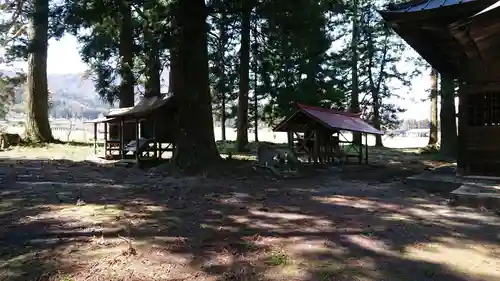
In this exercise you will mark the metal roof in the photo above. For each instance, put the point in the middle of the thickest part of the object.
(490, 8)
(333, 119)
(422, 5)
(144, 107)
(99, 120)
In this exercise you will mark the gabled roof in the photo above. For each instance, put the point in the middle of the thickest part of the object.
(427, 26)
(331, 119)
(422, 5)
(144, 107)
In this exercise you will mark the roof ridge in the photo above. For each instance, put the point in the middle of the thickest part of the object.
(329, 110)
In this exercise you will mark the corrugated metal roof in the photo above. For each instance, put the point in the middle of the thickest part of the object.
(336, 120)
(341, 121)
(422, 5)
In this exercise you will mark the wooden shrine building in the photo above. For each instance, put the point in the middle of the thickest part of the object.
(143, 132)
(318, 133)
(461, 39)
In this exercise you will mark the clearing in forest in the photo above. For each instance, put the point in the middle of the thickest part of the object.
(69, 220)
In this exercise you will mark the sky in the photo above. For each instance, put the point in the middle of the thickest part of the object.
(63, 58)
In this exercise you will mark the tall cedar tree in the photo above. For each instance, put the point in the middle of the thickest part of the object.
(355, 36)
(37, 126)
(433, 135)
(127, 83)
(195, 148)
(242, 127)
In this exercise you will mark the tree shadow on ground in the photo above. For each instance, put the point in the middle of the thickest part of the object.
(78, 219)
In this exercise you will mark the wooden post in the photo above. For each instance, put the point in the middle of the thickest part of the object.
(366, 148)
(290, 140)
(157, 146)
(105, 139)
(122, 138)
(137, 137)
(316, 146)
(462, 163)
(360, 156)
(95, 138)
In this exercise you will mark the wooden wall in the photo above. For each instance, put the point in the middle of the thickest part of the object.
(479, 129)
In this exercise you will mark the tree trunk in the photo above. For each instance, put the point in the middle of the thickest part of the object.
(153, 64)
(376, 118)
(242, 127)
(255, 103)
(354, 106)
(449, 138)
(256, 114)
(195, 150)
(433, 135)
(37, 126)
(221, 87)
(126, 95)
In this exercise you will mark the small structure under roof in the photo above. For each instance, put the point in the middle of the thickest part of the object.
(461, 40)
(144, 131)
(316, 132)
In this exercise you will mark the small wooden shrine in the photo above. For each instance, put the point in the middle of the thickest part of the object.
(318, 134)
(461, 39)
(143, 132)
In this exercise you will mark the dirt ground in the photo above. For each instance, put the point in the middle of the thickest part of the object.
(68, 220)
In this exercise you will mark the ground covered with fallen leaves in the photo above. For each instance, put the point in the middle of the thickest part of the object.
(63, 219)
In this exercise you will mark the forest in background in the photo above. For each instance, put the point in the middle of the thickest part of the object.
(243, 60)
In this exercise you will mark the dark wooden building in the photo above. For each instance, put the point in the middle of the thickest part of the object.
(318, 134)
(461, 39)
(143, 132)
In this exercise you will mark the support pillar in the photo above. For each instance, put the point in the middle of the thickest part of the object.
(95, 138)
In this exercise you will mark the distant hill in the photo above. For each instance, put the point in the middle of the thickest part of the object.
(73, 96)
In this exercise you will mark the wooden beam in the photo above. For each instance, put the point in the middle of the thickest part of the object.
(366, 149)
(95, 138)
(105, 140)
(137, 137)
(122, 138)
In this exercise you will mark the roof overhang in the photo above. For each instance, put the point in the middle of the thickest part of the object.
(431, 33)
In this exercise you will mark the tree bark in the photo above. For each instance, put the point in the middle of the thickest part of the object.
(195, 149)
(126, 49)
(153, 64)
(221, 87)
(242, 127)
(449, 138)
(376, 118)
(433, 135)
(37, 126)
(354, 106)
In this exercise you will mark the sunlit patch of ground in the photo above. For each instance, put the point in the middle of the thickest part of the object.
(49, 151)
(71, 221)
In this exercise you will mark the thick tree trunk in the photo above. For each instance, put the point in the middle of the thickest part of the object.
(37, 126)
(126, 95)
(449, 138)
(354, 106)
(195, 148)
(242, 122)
(433, 135)
(153, 64)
